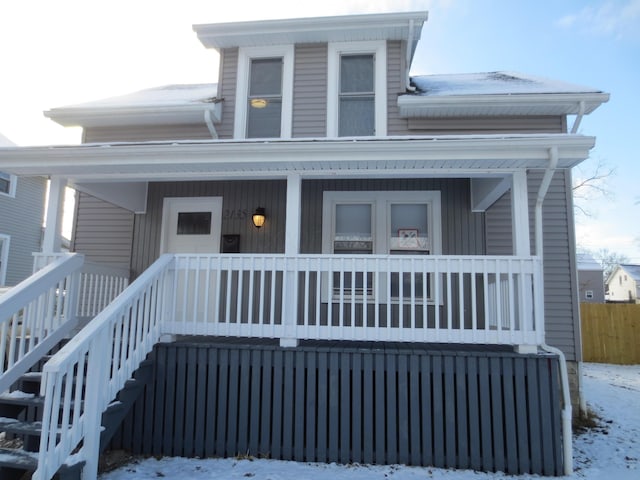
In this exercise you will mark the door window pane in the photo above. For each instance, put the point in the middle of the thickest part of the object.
(194, 223)
(353, 229)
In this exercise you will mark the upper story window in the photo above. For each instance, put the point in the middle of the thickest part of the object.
(264, 92)
(356, 93)
(7, 184)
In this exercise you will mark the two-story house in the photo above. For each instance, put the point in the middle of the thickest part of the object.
(345, 262)
(623, 284)
(22, 207)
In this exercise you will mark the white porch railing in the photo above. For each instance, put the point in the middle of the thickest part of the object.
(470, 299)
(97, 362)
(35, 315)
(382, 298)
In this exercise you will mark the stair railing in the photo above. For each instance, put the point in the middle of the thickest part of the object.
(81, 380)
(36, 314)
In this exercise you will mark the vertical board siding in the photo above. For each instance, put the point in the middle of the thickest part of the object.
(454, 409)
(462, 229)
(240, 199)
(21, 219)
(310, 91)
(103, 232)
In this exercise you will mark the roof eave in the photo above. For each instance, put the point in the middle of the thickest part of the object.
(384, 26)
(481, 154)
(151, 115)
(415, 106)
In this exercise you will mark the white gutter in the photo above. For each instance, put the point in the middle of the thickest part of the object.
(580, 114)
(409, 55)
(567, 440)
(209, 123)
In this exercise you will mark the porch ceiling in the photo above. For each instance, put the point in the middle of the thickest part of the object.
(444, 155)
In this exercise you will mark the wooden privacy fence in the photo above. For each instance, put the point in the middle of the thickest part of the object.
(610, 333)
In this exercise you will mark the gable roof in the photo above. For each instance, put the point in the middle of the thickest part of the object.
(496, 93)
(586, 262)
(168, 103)
(632, 270)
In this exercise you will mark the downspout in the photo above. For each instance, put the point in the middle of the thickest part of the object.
(209, 123)
(564, 374)
(576, 123)
(408, 86)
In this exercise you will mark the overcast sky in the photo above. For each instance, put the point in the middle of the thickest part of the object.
(55, 53)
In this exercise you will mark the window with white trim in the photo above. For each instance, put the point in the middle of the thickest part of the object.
(7, 184)
(588, 294)
(264, 92)
(356, 93)
(4, 257)
(385, 222)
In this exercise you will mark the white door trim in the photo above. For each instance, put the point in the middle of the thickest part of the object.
(213, 204)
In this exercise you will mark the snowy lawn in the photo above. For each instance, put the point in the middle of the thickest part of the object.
(610, 451)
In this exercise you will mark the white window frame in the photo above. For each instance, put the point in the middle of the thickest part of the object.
(13, 181)
(379, 51)
(381, 202)
(4, 257)
(245, 55)
(588, 294)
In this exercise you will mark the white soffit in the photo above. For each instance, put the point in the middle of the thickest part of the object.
(383, 26)
(394, 156)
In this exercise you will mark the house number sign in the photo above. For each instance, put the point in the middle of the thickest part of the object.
(235, 214)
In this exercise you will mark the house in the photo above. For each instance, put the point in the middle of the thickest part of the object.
(590, 279)
(623, 284)
(22, 207)
(332, 260)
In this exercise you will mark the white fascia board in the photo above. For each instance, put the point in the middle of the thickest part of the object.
(384, 26)
(167, 160)
(412, 106)
(151, 115)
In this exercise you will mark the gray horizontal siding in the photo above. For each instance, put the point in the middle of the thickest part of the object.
(561, 309)
(462, 230)
(395, 85)
(240, 199)
(142, 133)
(310, 91)
(103, 232)
(487, 125)
(21, 219)
(227, 90)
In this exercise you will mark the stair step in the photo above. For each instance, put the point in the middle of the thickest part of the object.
(18, 459)
(21, 399)
(20, 427)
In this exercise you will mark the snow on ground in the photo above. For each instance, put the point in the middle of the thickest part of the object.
(610, 451)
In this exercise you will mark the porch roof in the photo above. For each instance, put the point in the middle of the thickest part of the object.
(464, 155)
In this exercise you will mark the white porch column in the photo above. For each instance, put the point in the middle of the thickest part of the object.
(520, 214)
(292, 248)
(292, 233)
(52, 240)
(522, 247)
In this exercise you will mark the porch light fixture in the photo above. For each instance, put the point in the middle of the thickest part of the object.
(258, 217)
(258, 102)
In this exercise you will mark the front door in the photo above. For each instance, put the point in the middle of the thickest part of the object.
(191, 225)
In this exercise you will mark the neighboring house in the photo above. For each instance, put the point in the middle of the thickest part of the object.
(590, 279)
(350, 263)
(623, 284)
(22, 207)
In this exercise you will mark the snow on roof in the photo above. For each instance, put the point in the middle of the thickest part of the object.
(633, 270)
(164, 96)
(587, 262)
(5, 142)
(492, 83)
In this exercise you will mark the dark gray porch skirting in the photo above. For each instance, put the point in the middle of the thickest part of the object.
(368, 403)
